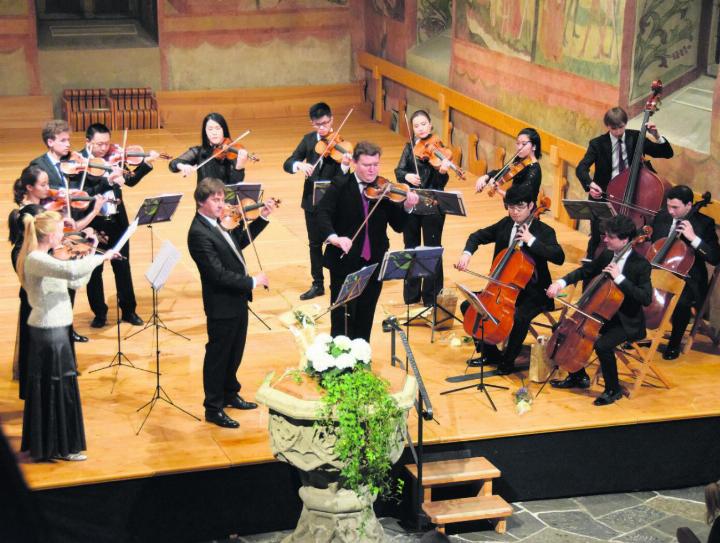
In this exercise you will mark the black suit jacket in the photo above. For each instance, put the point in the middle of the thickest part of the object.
(56, 181)
(226, 286)
(708, 252)
(599, 153)
(341, 212)
(305, 151)
(544, 249)
(636, 287)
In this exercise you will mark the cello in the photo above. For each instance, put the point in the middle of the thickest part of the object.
(571, 344)
(510, 272)
(671, 253)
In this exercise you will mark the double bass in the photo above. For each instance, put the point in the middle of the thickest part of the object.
(571, 344)
(510, 272)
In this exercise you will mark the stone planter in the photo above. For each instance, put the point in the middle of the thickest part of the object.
(330, 512)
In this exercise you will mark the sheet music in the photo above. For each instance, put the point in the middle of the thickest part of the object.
(126, 236)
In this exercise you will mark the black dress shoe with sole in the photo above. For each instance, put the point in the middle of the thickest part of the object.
(98, 322)
(505, 369)
(133, 319)
(77, 338)
(221, 419)
(608, 397)
(671, 353)
(313, 292)
(238, 403)
(571, 382)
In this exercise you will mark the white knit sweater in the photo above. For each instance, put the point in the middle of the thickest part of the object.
(47, 281)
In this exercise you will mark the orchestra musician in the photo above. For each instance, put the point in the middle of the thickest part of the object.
(341, 212)
(213, 133)
(52, 417)
(538, 241)
(425, 225)
(528, 146)
(632, 275)
(226, 290)
(304, 159)
(611, 154)
(111, 223)
(56, 136)
(697, 230)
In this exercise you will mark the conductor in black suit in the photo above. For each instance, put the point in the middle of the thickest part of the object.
(340, 213)
(538, 241)
(303, 159)
(611, 154)
(226, 290)
(699, 232)
(631, 273)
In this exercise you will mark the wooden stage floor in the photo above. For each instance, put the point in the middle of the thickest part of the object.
(172, 442)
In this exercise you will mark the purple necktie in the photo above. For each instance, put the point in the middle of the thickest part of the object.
(621, 162)
(365, 254)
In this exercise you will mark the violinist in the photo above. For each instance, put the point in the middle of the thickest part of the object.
(529, 150)
(302, 159)
(425, 225)
(537, 240)
(698, 231)
(111, 223)
(213, 133)
(612, 154)
(631, 273)
(56, 136)
(341, 213)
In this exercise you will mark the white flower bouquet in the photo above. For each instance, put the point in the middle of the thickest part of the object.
(338, 353)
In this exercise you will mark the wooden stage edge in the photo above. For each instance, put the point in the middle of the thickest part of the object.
(173, 443)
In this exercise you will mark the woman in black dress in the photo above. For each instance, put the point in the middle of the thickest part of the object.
(214, 131)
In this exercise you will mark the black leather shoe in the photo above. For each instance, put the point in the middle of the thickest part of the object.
(221, 419)
(98, 322)
(314, 291)
(238, 403)
(671, 353)
(77, 338)
(608, 397)
(505, 369)
(133, 319)
(571, 381)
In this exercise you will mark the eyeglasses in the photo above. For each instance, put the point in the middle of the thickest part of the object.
(320, 124)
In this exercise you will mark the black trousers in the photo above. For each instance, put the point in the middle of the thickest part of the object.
(681, 315)
(315, 243)
(423, 230)
(595, 237)
(223, 354)
(361, 310)
(123, 276)
(612, 334)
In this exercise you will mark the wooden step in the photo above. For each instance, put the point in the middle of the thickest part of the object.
(462, 470)
(468, 509)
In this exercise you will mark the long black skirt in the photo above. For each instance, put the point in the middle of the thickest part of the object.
(52, 420)
(22, 343)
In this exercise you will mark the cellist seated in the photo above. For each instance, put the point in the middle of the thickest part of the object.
(536, 240)
(631, 273)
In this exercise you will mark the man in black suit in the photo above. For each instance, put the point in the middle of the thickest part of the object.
(699, 232)
(631, 273)
(226, 291)
(303, 159)
(340, 214)
(536, 240)
(611, 154)
(111, 223)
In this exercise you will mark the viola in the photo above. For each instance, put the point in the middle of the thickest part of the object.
(226, 150)
(133, 155)
(571, 344)
(510, 272)
(336, 147)
(507, 173)
(676, 255)
(59, 198)
(396, 192)
(432, 150)
(232, 217)
(96, 166)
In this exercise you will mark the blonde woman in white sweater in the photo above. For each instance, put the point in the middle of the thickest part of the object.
(52, 420)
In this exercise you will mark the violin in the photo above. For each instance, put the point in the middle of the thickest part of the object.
(232, 217)
(74, 245)
(335, 149)
(226, 150)
(133, 155)
(96, 166)
(571, 344)
(673, 254)
(432, 150)
(506, 174)
(510, 272)
(79, 199)
(395, 192)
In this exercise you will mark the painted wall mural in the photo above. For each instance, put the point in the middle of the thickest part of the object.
(666, 43)
(236, 6)
(395, 9)
(433, 18)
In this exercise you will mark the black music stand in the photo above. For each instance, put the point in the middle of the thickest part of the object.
(586, 210)
(482, 315)
(236, 192)
(153, 210)
(448, 202)
(320, 187)
(352, 287)
(157, 275)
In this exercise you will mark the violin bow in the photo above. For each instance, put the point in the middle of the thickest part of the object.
(362, 225)
(334, 137)
(87, 167)
(501, 170)
(122, 159)
(247, 231)
(215, 154)
(410, 136)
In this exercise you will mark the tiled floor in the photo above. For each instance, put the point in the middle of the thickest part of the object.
(641, 517)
